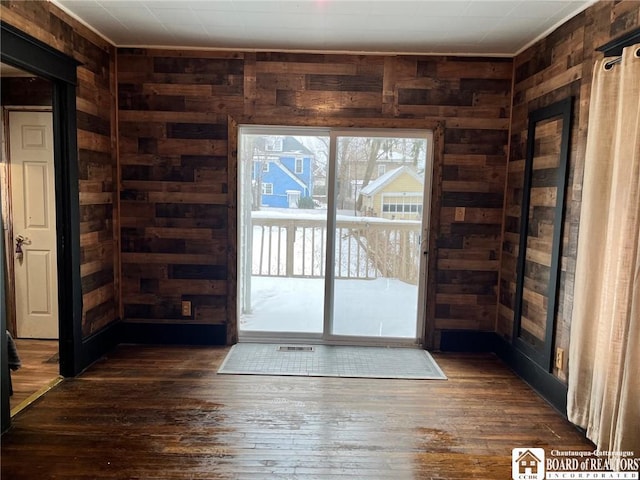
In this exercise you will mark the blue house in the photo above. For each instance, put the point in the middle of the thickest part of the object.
(283, 171)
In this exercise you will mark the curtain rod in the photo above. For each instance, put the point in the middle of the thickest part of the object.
(614, 47)
(612, 62)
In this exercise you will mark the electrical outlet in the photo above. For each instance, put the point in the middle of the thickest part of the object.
(186, 308)
(559, 358)
(460, 211)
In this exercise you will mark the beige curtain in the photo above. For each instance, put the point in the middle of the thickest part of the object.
(604, 354)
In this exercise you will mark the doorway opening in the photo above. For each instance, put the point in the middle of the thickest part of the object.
(30, 233)
(24, 52)
(333, 228)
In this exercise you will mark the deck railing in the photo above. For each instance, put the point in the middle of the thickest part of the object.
(365, 248)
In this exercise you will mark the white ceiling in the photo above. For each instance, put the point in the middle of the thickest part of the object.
(476, 27)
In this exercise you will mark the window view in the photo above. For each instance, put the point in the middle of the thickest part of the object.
(287, 203)
(283, 229)
(377, 249)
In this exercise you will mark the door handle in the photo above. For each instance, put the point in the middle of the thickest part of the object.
(20, 240)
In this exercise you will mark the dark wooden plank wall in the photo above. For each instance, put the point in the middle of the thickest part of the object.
(173, 108)
(472, 95)
(542, 211)
(25, 91)
(97, 149)
(556, 67)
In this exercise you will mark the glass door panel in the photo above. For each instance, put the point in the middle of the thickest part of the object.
(330, 229)
(379, 220)
(282, 230)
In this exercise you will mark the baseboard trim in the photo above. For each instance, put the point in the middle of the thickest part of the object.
(173, 334)
(543, 382)
(99, 343)
(466, 341)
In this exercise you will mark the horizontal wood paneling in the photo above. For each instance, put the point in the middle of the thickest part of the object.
(97, 149)
(26, 91)
(173, 109)
(556, 67)
(174, 184)
(171, 99)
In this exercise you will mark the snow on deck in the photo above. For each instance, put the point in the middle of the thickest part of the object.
(362, 307)
(380, 307)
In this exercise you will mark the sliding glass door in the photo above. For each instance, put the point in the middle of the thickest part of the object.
(283, 230)
(379, 213)
(331, 229)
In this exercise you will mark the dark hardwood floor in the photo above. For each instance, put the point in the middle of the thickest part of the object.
(40, 366)
(163, 413)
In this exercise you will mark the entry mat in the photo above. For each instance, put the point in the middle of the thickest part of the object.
(330, 361)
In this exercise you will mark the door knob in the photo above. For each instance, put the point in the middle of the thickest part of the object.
(20, 240)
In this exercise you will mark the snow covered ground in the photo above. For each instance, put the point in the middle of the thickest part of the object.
(364, 306)
(380, 307)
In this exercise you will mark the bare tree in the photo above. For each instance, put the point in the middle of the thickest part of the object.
(344, 155)
(373, 152)
(319, 145)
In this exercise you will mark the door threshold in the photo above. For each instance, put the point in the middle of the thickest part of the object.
(288, 338)
(35, 396)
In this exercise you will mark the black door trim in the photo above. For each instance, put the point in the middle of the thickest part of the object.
(25, 52)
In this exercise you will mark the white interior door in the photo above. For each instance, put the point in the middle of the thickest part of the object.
(34, 223)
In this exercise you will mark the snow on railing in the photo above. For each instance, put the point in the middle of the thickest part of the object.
(366, 247)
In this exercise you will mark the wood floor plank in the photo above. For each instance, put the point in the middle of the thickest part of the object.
(39, 367)
(163, 413)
